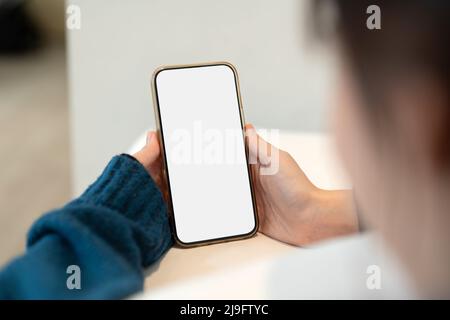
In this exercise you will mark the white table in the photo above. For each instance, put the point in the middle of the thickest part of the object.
(261, 267)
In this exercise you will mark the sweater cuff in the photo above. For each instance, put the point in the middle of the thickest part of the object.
(124, 186)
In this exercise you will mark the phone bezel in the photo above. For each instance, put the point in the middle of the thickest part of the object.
(159, 130)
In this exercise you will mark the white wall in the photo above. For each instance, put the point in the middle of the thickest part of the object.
(283, 81)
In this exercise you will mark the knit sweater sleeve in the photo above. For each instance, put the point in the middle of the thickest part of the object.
(97, 245)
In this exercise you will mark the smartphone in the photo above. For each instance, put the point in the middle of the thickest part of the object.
(200, 123)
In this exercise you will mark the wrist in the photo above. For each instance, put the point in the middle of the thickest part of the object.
(331, 214)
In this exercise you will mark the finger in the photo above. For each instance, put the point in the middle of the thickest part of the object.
(252, 143)
(152, 149)
(150, 152)
(259, 149)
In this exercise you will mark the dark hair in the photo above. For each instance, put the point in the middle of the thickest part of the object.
(414, 37)
(413, 42)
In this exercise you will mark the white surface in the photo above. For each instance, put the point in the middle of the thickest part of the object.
(198, 106)
(260, 267)
(111, 58)
(334, 270)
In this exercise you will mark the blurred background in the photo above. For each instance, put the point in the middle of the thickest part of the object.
(72, 98)
(34, 121)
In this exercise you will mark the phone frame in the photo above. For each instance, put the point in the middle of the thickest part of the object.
(159, 132)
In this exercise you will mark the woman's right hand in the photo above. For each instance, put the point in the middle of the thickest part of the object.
(290, 208)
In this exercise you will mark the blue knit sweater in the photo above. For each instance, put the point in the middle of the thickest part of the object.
(117, 227)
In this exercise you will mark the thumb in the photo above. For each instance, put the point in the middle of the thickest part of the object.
(150, 152)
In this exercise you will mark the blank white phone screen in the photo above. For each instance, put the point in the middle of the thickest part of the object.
(205, 152)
